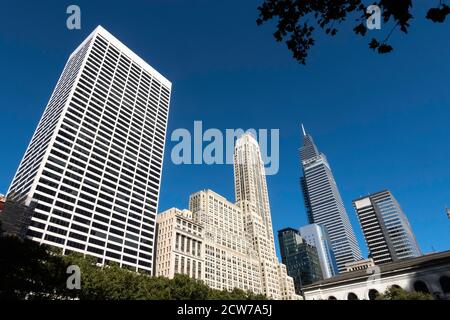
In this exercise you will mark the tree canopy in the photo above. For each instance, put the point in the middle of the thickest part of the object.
(297, 20)
(33, 271)
(396, 293)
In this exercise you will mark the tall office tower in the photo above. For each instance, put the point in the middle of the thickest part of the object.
(179, 245)
(317, 236)
(253, 199)
(301, 259)
(230, 260)
(324, 204)
(94, 163)
(386, 229)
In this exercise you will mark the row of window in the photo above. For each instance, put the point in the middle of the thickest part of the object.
(33, 156)
(77, 246)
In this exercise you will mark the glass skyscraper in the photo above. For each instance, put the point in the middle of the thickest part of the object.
(93, 166)
(301, 258)
(324, 205)
(317, 236)
(386, 228)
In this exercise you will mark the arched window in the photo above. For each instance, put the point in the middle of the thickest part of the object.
(352, 296)
(332, 298)
(421, 286)
(445, 284)
(373, 294)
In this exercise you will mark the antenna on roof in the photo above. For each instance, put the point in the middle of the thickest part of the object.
(303, 129)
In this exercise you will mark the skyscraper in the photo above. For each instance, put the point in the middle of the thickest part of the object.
(386, 228)
(94, 163)
(324, 204)
(317, 236)
(253, 199)
(301, 259)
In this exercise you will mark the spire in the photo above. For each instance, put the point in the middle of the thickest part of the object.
(309, 149)
(303, 129)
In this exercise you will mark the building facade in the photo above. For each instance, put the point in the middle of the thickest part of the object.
(15, 217)
(230, 259)
(287, 287)
(317, 236)
(179, 245)
(300, 258)
(428, 273)
(324, 204)
(386, 228)
(94, 163)
(359, 265)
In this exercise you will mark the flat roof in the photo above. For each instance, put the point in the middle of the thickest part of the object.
(128, 52)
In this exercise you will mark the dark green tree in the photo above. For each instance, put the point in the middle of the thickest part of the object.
(29, 271)
(33, 271)
(298, 20)
(396, 293)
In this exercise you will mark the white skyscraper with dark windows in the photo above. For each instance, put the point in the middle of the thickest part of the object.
(324, 204)
(95, 160)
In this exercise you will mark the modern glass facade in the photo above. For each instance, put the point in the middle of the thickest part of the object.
(301, 259)
(317, 236)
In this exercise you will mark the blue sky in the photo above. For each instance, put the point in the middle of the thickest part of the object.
(382, 121)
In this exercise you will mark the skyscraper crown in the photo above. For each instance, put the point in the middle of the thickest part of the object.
(309, 149)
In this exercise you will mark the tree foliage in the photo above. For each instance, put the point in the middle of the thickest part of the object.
(297, 20)
(396, 293)
(33, 271)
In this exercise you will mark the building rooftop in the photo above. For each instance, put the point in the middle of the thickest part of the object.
(127, 51)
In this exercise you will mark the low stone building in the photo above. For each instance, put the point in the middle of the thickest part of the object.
(179, 245)
(428, 273)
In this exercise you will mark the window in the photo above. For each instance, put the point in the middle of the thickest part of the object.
(182, 265)
(373, 294)
(176, 263)
(445, 284)
(182, 243)
(352, 296)
(421, 286)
